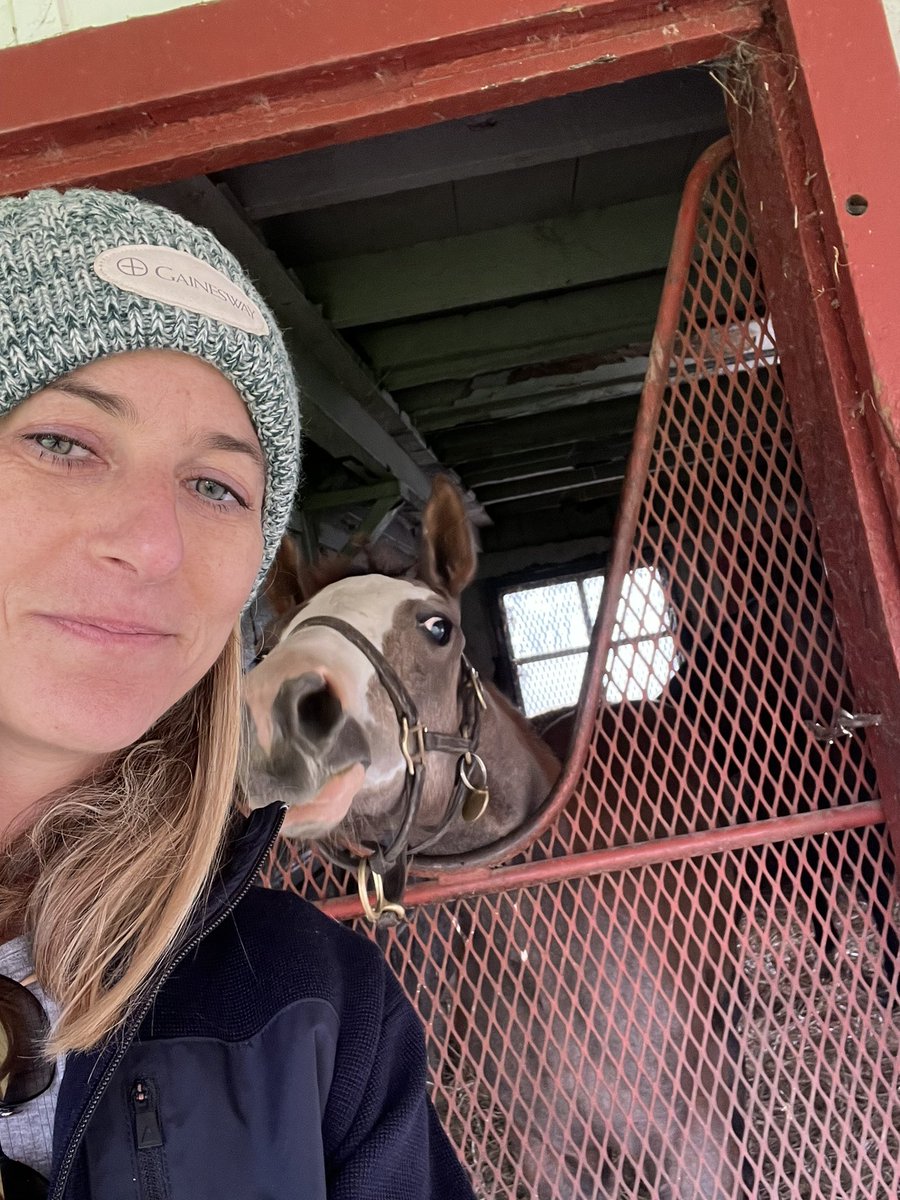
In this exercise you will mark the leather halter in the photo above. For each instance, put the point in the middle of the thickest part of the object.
(470, 794)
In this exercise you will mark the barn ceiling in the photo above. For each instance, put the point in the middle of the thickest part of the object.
(478, 296)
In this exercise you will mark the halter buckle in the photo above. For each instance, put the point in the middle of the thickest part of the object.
(414, 757)
(475, 680)
(375, 912)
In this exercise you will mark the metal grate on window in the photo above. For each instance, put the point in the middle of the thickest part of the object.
(548, 629)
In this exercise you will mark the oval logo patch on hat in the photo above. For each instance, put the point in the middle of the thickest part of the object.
(174, 277)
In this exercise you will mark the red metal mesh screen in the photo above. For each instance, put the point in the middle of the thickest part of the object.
(711, 1009)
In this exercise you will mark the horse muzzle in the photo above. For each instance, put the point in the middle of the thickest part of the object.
(307, 752)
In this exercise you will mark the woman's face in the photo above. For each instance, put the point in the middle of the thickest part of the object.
(130, 498)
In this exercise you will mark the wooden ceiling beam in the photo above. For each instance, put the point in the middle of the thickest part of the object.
(591, 424)
(495, 265)
(585, 481)
(501, 563)
(504, 469)
(499, 458)
(547, 519)
(589, 320)
(634, 113)
(518, 394)
(524, 466)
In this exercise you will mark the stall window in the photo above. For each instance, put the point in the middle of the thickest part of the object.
(548, 629)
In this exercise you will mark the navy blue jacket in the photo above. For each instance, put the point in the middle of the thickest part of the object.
(276, 1058)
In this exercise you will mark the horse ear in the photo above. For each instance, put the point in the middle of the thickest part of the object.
(447, 560)
(282, 588)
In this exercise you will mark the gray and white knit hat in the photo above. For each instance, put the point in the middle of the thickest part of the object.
(86, 273)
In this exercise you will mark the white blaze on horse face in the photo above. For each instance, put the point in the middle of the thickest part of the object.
(369, 603)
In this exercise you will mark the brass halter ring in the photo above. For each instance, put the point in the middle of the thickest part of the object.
(475, 789)
(381, 906)
(466, 761)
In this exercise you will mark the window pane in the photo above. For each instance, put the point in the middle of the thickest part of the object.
(545, 619)
(642, 607)
(593, 590)
(641, 670)
(551, 683)
(545, 622)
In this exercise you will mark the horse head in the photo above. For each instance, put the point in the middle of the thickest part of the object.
(366, 718)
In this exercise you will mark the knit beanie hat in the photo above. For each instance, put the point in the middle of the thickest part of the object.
(87, 273)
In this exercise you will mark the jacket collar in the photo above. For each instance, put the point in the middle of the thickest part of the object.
(248, 843)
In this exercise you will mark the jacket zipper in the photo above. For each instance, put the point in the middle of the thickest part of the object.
(148, 1141)
(130, 1034)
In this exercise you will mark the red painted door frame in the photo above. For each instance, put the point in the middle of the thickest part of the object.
(816, 119)
(208, 87)
(851, 135)
(804, 147)
(850, 119)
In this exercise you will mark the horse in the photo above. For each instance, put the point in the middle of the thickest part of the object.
(348, 654)
(326, 704)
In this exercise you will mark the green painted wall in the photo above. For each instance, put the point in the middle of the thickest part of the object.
(24, 21)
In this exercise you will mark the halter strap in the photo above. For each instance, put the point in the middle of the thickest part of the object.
(415, 742)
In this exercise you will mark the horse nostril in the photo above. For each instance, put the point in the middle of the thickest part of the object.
(307, 707)
(319, 712)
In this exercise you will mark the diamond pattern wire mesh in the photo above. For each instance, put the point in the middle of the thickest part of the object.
(554, 681)
(724, 1025)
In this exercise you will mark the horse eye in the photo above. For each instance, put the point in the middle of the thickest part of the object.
(438, 628)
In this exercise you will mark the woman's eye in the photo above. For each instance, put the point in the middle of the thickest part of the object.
(54, 443)
(438, 628)
(218, 493)
(49, 441)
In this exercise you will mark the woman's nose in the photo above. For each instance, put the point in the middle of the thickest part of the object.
(141, 530)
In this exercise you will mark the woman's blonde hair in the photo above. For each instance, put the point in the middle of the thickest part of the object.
(112, 868)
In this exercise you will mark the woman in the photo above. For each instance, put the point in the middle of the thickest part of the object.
(206, 1038)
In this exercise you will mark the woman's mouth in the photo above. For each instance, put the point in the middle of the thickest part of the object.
(104, 631)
